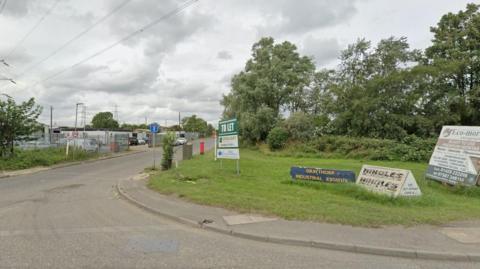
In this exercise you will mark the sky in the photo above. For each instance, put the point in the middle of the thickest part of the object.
(64, 52)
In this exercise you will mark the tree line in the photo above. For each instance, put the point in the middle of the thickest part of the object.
(105, 120)
(385, 90)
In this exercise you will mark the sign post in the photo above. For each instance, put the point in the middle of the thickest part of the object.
(228, 141)
(154, 128)
(215, 138)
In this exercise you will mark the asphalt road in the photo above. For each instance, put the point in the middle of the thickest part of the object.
(73, 218)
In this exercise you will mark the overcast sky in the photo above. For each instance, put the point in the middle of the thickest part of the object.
(185, 62)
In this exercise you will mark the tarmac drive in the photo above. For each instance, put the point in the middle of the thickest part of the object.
(72, 218)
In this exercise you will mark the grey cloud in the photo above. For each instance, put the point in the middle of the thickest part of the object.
(323, 50)
(18, 58)
(20, 8)
(224, 55)
(297, 17)
(167, 33)
(17, 8)
(179, 90)
(134, 78)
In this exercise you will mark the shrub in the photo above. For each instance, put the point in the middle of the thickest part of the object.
(167, 146)
(23, 159)
(255, 127)
(300, 126)
(411, 148)
(277, 138)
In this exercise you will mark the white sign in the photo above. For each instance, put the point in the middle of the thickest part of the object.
(456, 158)
(228, 154)
(228, 141)
(410, 187)
(390, 181)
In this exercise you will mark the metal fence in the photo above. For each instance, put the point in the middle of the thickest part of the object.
(100, 143)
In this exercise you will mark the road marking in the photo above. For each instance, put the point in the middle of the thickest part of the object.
(105, 229)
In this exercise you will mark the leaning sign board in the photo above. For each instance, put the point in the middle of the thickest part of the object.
(456, 158)
(389, 181)
(320, 174)
(228, 140)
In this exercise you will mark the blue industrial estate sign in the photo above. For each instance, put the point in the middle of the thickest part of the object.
(154, 127)
(320, 174)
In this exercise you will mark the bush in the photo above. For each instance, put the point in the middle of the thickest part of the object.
(255, 127)
(411, 148)
(277, 138)
(167, 146)
(300, 126)
(23, 159)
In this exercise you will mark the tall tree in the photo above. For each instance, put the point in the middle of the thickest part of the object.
(195, 124)
(455, 52)
(17, 121)
(372, 95)
(274, 78)
(104, 120)
(210, 130)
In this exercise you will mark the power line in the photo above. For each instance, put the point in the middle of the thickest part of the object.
(33, 28)
(66, 44)
(4, 63)
(5, 67)
(172, 13)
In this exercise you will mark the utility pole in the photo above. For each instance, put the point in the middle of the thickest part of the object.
(116, 113)
(179, 119)
(84, 123)
(75, 132)
(76, 116)
(51, 124)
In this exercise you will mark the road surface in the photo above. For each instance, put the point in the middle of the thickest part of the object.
(72, 217)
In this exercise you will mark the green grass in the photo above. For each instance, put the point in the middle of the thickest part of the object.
(24, 159)
(265, 187)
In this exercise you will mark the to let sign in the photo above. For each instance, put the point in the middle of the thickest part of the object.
(228, 127)
(227, 140)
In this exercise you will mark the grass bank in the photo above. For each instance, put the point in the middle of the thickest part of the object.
(264, 186)
(24, 159)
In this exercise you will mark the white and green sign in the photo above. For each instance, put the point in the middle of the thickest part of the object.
(228, 140)
(228, 127)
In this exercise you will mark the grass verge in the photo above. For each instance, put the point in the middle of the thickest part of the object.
(264, 187)
(24, 159)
